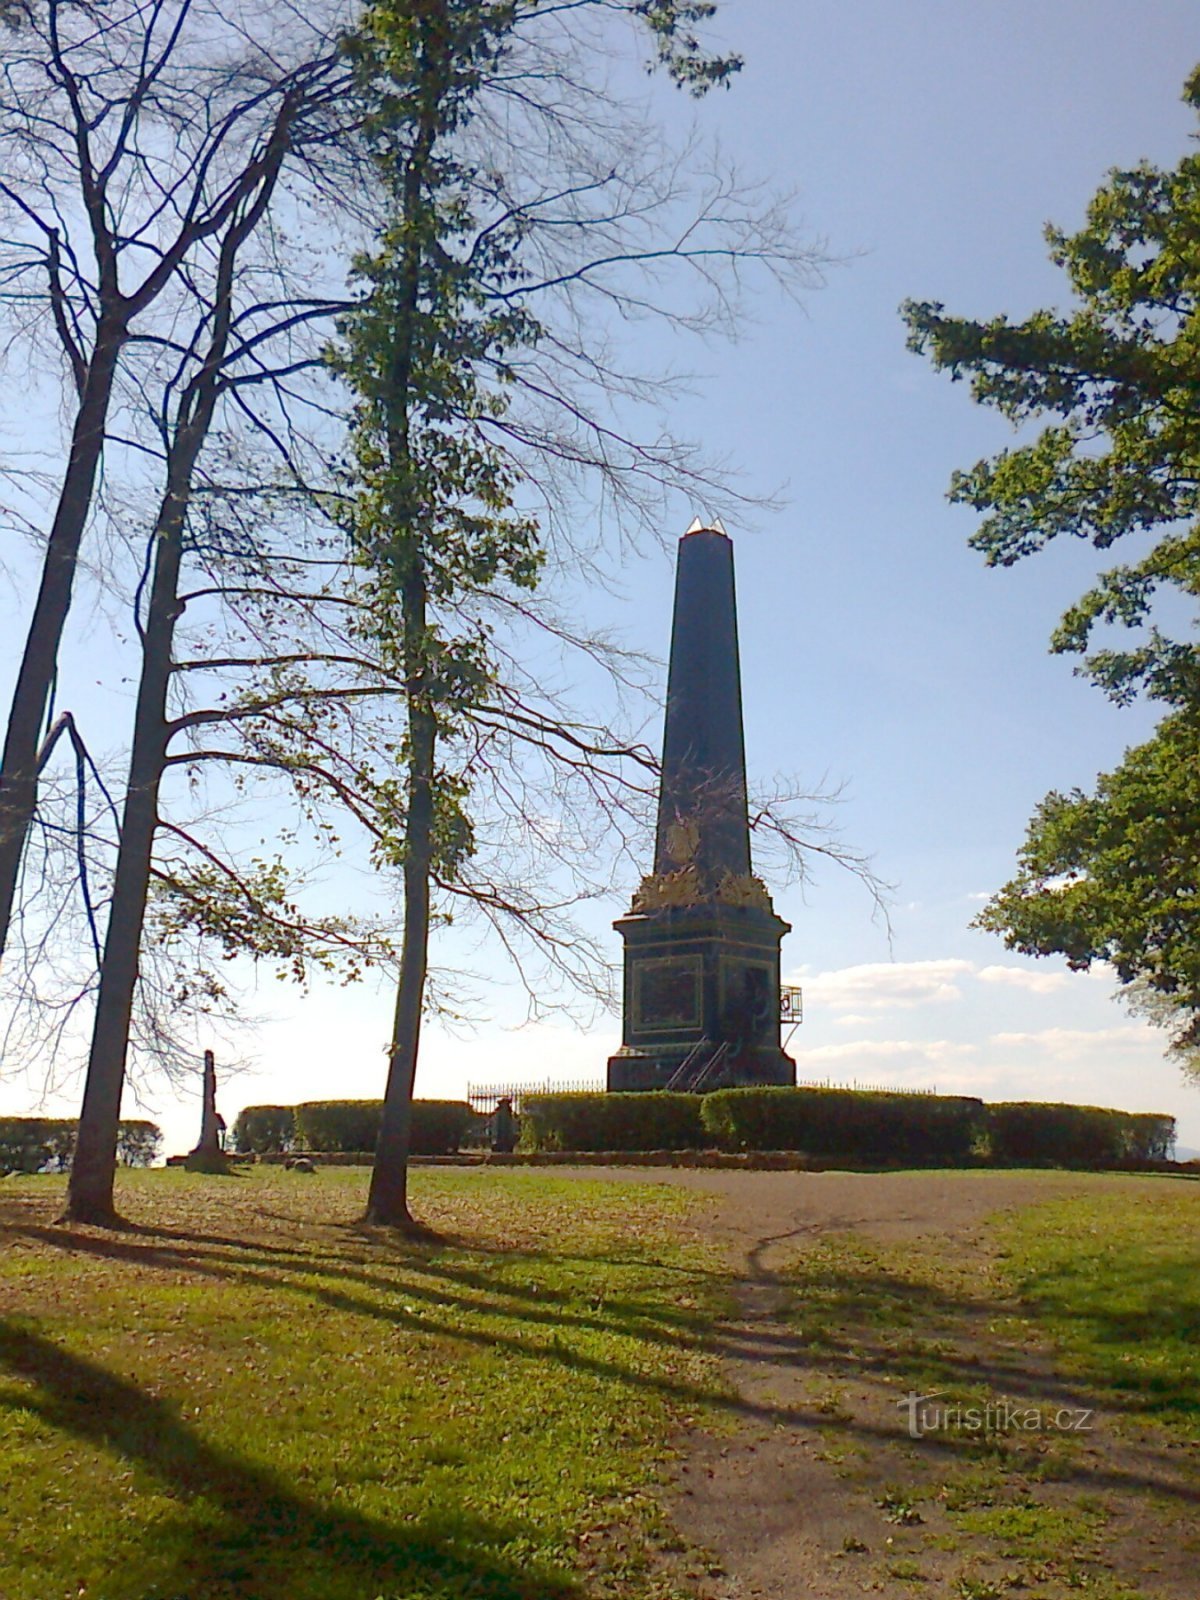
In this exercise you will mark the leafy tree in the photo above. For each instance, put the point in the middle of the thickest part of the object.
(1114, 382)
(138, 1143)
(193, 402)
(465, 391)
(1114, 876)
(175, 115)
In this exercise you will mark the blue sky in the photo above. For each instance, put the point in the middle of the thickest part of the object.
(928, 145)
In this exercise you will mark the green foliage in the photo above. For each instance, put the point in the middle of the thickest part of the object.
(850, 1123)
(673, 23)
(1112, 876)
(1085, 1136)
(139, 1143)
(432, 497)
(1115, 876)
(263, 1130)
(845, 1124)
(32, 1144)
(431, 348)
(250, 911)
(1118, 377)
(338, 1125)
(438, 1126)
(47, 1144)
(647, 1121)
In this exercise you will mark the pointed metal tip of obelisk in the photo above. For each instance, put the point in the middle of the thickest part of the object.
(714, 525)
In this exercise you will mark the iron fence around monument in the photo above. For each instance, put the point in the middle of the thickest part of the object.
(484, 1098)
(860, 1088)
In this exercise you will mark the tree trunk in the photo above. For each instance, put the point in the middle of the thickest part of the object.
(90, 1193)
(387, 1202)
(19, 768)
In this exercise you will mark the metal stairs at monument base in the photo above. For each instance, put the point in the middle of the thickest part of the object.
(700, 1067)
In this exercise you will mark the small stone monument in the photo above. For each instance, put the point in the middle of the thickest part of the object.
(702, 990)
(209, 1156)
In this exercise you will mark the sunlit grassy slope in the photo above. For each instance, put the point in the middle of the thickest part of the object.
(254, 1398)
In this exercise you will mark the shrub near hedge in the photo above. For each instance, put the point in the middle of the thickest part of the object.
(336, 1126)
(264, 1130)
(39, 1144)
(1151, 1136)
(852, 1123)
(439, 1126)
(1089, 1136)
(31, 1144)
(651, 1120)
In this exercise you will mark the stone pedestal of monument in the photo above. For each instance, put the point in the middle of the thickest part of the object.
(698, 976)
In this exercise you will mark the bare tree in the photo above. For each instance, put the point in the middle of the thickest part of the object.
(90, 1195)
(437, 589)
(130, 142)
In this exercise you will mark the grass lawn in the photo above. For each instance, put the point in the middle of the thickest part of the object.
(250, 1396)
(1083, 1304)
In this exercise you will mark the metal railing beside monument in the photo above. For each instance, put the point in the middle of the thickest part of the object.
(484, 1098)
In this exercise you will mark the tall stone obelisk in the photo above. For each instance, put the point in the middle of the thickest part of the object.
(702, 993)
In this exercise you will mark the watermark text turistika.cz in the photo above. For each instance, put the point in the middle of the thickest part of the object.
(927, 1415)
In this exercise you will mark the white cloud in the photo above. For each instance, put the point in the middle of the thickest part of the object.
(1032, 979)
(980, 896)
(1075, 1042)
(1101, 972)
(878, 985)
(887, 1050)
(941, 1064)
(1122, 1065)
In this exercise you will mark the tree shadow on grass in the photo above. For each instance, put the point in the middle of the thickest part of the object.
(862, 1310)
(323, 1274)
(853, 1336)
(1153, 1313)
(267, 1540)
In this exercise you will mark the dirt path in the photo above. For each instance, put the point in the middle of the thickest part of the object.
(819, 1493)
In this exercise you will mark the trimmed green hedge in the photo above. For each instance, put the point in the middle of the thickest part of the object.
(853, 1123)
(1089, 1136)
(438, 1126)
(41, 1144)
(651, 1120)
(338, 1124)
(263, 1130)
(839, 1124)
